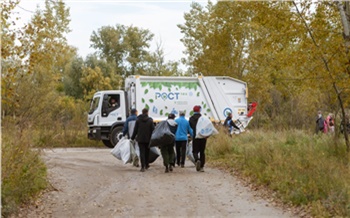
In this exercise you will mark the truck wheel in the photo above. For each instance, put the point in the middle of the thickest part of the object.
(116, 135)
(108, 143)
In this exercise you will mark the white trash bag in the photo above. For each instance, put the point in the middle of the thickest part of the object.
(189, 152)
(134, 156)
(122, 150)
(116, 150)
(205, 128)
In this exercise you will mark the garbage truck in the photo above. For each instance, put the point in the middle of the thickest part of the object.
(217, 96)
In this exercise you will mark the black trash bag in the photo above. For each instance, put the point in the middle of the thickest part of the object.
(153, 155)
(162, 135)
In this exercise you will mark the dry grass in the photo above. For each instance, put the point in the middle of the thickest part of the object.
(23, 171)
(305, 170)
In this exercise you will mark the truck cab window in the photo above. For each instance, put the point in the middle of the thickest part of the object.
(110, 103)
(94, 104)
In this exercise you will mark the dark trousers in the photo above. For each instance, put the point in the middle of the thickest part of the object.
(199, 147)
(168, 154)
(181, 152)
(144, 154)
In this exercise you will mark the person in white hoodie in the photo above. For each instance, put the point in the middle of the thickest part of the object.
(167, 151)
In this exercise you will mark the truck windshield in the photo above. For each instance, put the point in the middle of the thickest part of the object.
(94, 104)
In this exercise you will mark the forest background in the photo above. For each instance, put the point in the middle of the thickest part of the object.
(293, 55)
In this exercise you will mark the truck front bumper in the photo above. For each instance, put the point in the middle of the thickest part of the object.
(94, 133)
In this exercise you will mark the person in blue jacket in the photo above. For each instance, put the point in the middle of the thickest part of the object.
(130, 123)
(181, 138)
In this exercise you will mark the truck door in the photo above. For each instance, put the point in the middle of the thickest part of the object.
(111, 110)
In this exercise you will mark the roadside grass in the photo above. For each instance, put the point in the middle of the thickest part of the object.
(56, 138)
(24, 174)
(302, 169)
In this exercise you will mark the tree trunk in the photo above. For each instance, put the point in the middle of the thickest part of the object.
(346, 34)
(344, 16)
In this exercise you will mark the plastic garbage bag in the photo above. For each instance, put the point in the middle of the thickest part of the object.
(153, 155)
(125, 151)
(205, 128)
(134, 158)
(162, 135)
(137, 149)
(189, 152)
(116, 150)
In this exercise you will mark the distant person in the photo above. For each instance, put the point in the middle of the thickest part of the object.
(198, 144)
(167, 151)
(181, 138)
(129, 124)
(230, 124)
(330, 122)
(319, 123)
(142, 132)
(112, 105)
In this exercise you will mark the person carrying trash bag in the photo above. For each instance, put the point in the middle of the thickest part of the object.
(142, 132)
(181, 138)
(202, 129)
(163, 137)
(198, 144)
(167, 151)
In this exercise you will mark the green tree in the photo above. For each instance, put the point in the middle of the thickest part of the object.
(158, 66)
(126, 46)
(265, 44)
(71, 80)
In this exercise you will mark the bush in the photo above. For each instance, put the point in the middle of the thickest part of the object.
(303, 170)
(23, 172)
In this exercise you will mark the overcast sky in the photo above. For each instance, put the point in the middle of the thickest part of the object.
(160, 17)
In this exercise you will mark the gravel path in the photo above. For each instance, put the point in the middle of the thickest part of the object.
(90, 182)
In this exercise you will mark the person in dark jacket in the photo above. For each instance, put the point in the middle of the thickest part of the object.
(142, 132)
(319, 122)
(230, 123)
(129, 120)
(181, 138)
(167, 151)
(198, 144)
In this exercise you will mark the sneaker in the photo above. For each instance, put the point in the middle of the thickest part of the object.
(201, 170)
(198, 165)
(142, 169)
(166, 170)
(171, 168)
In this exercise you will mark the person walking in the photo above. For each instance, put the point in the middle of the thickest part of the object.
(181, 138)
(142, 132)
(330, 122)
(319, 122)
(167, 151)
(198, 144)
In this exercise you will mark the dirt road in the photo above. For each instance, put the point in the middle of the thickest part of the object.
(92, 183)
